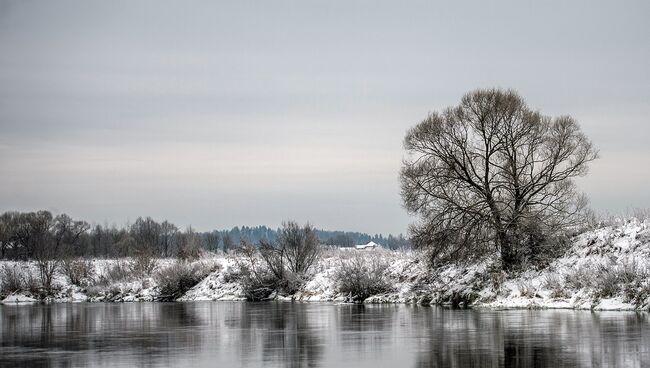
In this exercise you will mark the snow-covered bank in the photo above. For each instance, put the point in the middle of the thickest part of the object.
(605, 269)
(112, 281)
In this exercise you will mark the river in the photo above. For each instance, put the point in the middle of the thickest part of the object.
(282, 334)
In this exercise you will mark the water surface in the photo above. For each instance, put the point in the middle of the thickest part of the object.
(237, 334)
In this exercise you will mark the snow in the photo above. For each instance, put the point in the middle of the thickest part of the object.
(217, 286)
(570, 282)
(18, 298)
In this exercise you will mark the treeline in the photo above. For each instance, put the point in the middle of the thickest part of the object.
(40, 234)
(350, 239)
(327, 237)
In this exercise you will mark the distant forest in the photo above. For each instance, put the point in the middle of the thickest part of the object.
(41, 234)
(327, 237)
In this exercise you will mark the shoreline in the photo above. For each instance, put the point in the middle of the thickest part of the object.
(605, 269)
(477, 307)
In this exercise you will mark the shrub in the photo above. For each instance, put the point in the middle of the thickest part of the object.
(496, 278)
(641, 214)
(553, 282)
(281, 266)
(251, 272)
(628, 278)
(607, 282)
(290, 258)
(47, 269)
(120, 271)
(189, 252)
(231, 274)
(257, 283)
(526, 289)
(177, 279)
(94, 291)
(300, 246)
(581, 277)
(362, 276)
(32, 283)
(11, 279)
(143, 263)
(630, 272)
(79, 271)
(635, 283)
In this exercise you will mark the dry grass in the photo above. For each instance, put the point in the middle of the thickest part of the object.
(80, 272)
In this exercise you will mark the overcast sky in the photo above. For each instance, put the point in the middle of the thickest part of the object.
(218, 114)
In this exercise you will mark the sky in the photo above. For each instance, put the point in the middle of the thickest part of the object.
(224, 113)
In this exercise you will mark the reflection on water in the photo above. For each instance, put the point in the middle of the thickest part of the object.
(212, 334)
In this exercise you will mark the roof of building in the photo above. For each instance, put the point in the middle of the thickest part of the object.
(369, 245)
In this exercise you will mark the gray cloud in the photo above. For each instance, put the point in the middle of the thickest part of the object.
(227, 113)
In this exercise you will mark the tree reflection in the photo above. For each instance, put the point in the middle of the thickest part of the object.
(365, 328)
(304, 335)
(288, 337)
(533, 339)
(45, 335)
(456, 338)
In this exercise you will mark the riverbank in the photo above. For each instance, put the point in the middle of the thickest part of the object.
(605, 269)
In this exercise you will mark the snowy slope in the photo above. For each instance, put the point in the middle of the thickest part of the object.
(605, 269)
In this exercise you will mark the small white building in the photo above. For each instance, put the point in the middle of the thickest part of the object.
(371, 245)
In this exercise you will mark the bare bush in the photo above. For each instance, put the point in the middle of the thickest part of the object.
(15, 278)
(120, 271)
(290, 258)
(189, 253)
(143, 263)
(177, 279)
(94, 291)
(231, 274)
(641, 214)
(607, 282)
(362, 275)
(627, 279)
(553, 282)
(32, 283)
(47, 269)
(301, 247)
(581, 277)
(527, 289)
(638, 292)
(257, 281)
(257, 284)
(11, 280)
(79, 271)
(635, 281)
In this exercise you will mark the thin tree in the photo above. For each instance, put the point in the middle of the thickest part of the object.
(228, 243)
(168, 237)
(8, 223)
(58, 238)
(491, 174)
(146, 234)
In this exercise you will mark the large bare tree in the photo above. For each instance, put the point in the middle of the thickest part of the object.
(491, 174)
